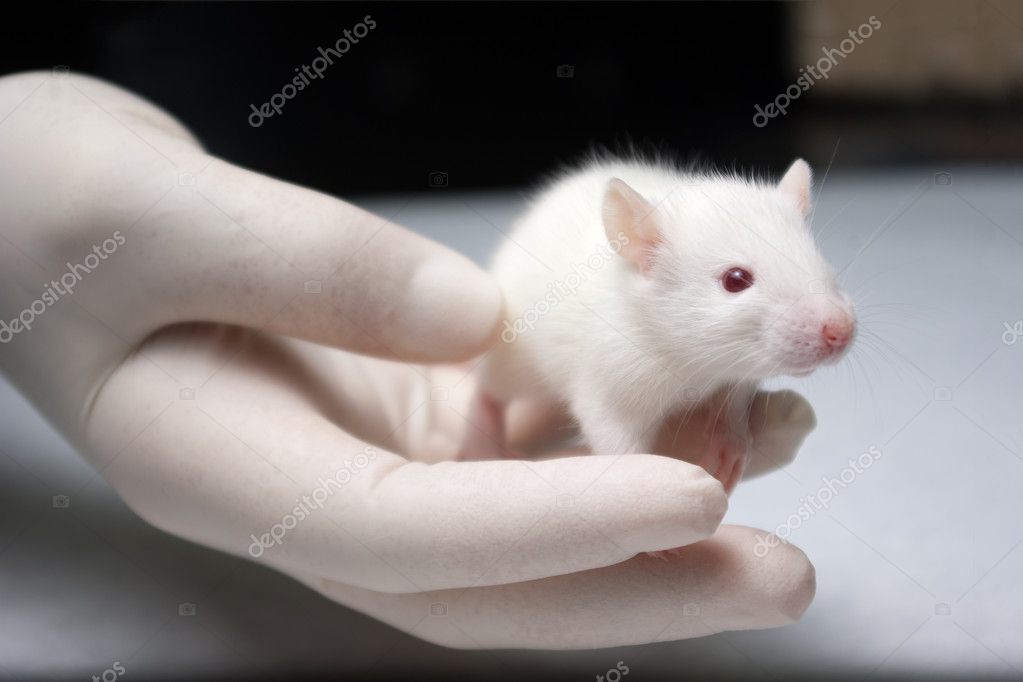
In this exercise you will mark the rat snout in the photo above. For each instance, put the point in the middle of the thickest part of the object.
(837, 332)
(815, 334)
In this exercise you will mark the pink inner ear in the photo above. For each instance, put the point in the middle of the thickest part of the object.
(646, 256)
(626, 212)
(640, 252)
(802, 201)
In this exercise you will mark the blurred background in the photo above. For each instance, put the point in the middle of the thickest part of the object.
(492, 95)
(445, 116)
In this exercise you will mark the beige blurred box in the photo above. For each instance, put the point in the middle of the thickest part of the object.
(922, 48)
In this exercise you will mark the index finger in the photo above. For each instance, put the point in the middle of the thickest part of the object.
(251, 250)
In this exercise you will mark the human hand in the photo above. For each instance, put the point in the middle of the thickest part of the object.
(235, 352)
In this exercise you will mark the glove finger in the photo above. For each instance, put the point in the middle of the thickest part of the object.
(269, 254)
(722, 583)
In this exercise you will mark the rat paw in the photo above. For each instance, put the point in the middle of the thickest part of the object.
(484, 438)
(513, 454)
(726, 457)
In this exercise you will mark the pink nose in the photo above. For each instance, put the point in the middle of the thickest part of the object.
(837, 333)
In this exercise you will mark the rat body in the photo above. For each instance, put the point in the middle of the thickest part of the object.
(636, 291)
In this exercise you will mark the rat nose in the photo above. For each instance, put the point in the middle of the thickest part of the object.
(837, 333)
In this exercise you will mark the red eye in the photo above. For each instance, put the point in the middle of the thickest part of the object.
(736, 279)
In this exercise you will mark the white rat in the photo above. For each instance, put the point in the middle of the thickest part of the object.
(635, 292)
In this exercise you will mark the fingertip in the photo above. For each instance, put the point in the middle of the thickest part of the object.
(659, 502)
(802, 588)
(790, 582)
(778, 573)
(783, 407)
(715, 501)
(453, 310)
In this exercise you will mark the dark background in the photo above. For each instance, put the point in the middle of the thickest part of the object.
(471, 90)
(467, 89)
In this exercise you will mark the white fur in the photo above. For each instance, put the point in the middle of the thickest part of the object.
(626, 348)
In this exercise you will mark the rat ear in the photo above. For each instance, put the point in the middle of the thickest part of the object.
(796, 184)
(630, 223)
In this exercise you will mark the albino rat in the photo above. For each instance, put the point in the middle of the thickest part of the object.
(635, 292)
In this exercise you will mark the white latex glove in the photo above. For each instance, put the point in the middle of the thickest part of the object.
(197, 368)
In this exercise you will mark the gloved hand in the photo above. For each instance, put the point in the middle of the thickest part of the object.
(273, 372)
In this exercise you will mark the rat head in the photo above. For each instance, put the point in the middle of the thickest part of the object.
(724, 274)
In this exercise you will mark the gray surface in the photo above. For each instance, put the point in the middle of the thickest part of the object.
(935, 520)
